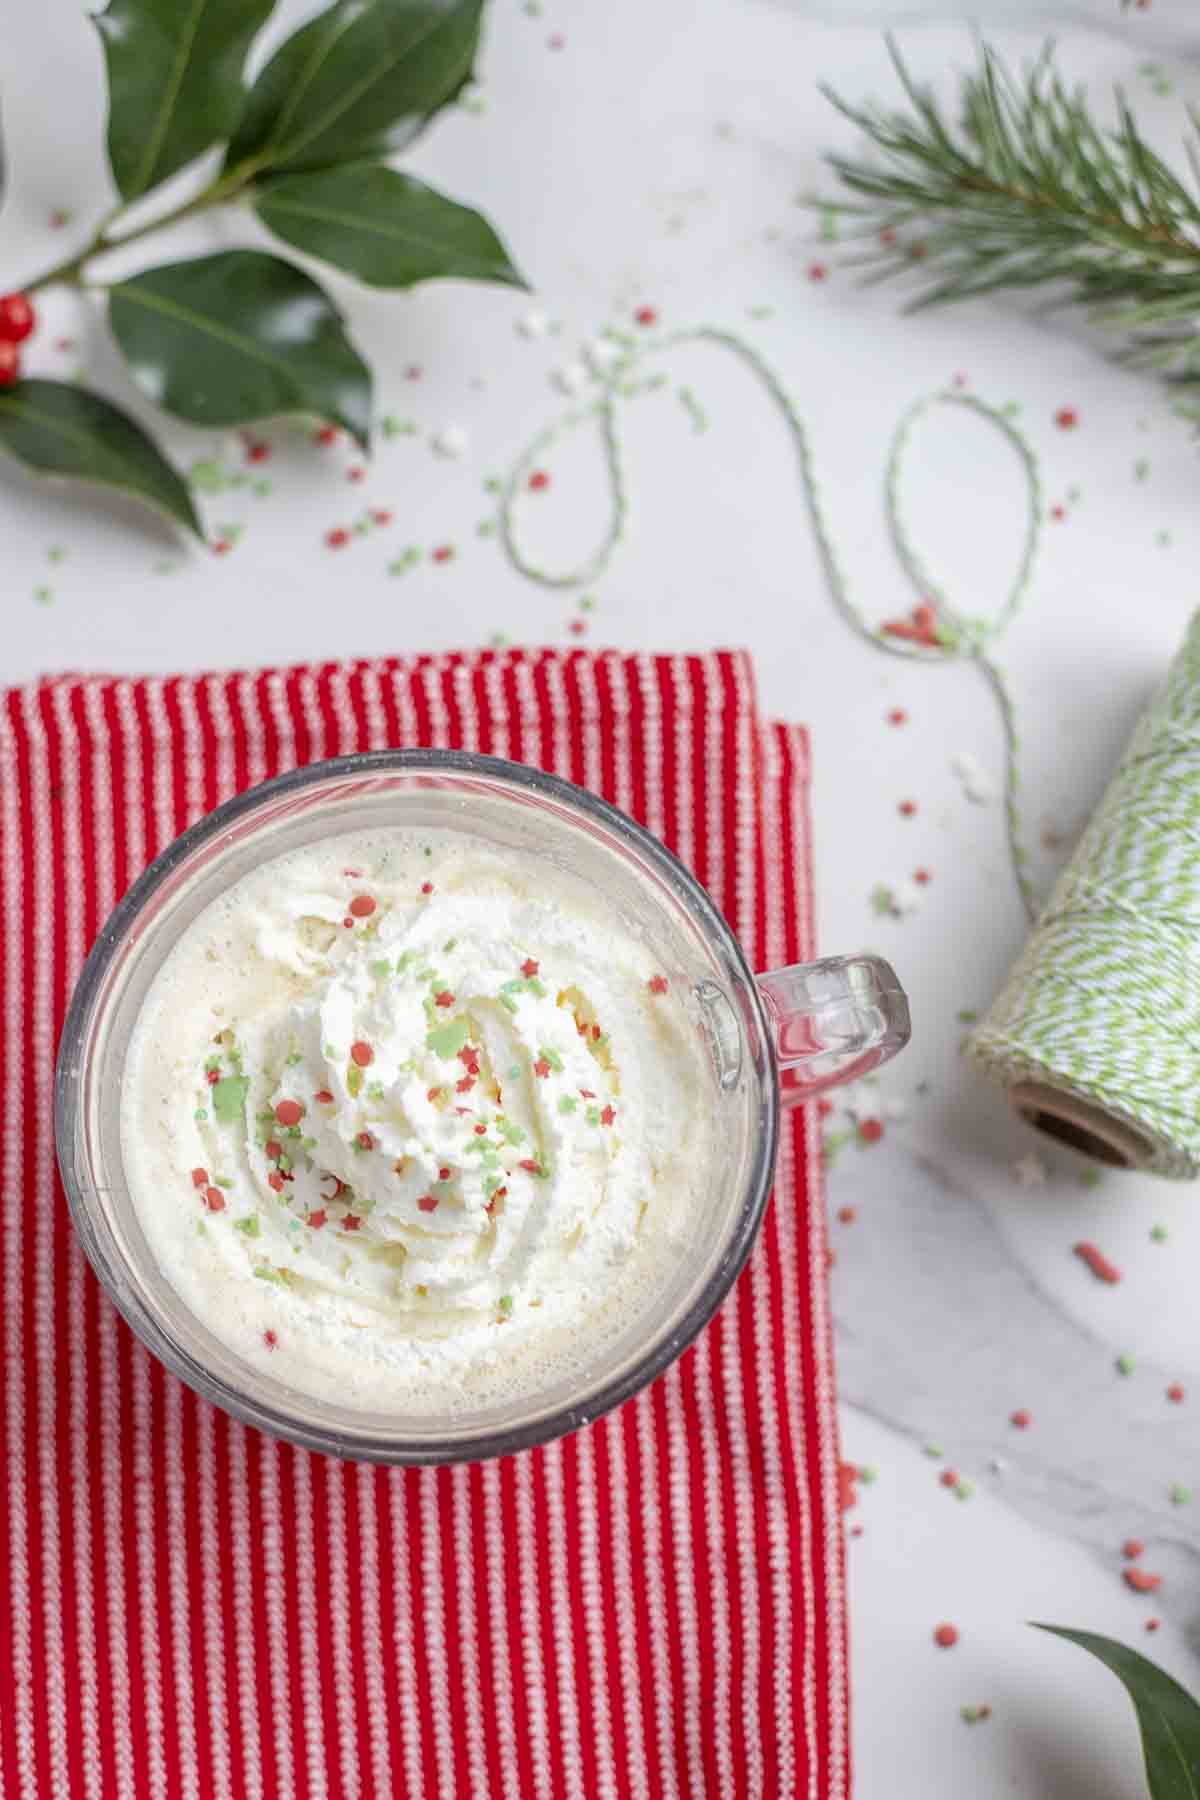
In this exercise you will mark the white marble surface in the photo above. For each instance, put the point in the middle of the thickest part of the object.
(656, 158)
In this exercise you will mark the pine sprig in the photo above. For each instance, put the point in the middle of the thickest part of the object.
(1026, 190)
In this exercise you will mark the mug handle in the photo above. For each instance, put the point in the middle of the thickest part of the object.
(833, 1021)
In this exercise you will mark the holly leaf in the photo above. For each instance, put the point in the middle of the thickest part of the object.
(174, 81)
(1168, 1716)
(362, 79)
(56, 428)
(384, 227)
(227, 339)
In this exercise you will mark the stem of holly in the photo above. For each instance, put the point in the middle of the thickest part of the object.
(69, 273)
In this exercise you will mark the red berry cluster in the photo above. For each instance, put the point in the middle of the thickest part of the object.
(17, 320)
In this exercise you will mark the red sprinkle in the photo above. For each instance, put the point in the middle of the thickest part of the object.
(847, 1214)
(275, 1180)
(1021, 1419)
(539, 480)
(434, 1093)
(586, 1094)
(338, 538)
(946, 1636)
(596, 1033)
(949, 1478)
(646, 315)
(445, 998)
(541, 1068)
(847, 1492)
(199, 1177)
(214, 1199)
(529, 968)
(351, 1222)
(1058, 512)
(316, 1220)
(1141, 1581)
(1151, 1624)
(1132, 1548)
(577, 627)
(443, 553)
(607, 1116)
(1098, 1263)
(897, 716)
(221, 547)
(213, 1076)
(356, 473)
(658, 984)
(362, 906)
(907, 808)
(289, 1112)
(533, 1168)
(365, 1141)
(257, 453)
(887, 236)
(870, 1130)
(481, 1131)
(428, 1203)
(348, 922)
(380, 515)
(323, 1097)
(328, 434)
(274, 1148)
(362, 1054)
(817, 271)
(427, 887)
(1066, 418)
(270, 1339)
(922, 877)
(465, 1085)
(443, 1174)
(1175, 1392)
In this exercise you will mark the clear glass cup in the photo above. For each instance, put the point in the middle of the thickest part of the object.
(772, 1040)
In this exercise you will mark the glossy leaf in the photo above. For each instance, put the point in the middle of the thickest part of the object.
(56, 428)
(361, 79)
(384, 227)
(226, 339)
(1168, 1716)
(174, 81)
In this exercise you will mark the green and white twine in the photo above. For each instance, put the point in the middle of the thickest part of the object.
(1104, 1004)
(1102, 1012)
(960, 636)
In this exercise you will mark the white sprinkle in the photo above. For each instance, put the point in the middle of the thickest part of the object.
(533, 324)
(452, 441)
(570, 377)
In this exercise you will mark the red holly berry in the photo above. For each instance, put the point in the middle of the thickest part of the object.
(532, 1167)
(443, 1174)
(338, 538)
(17, 318)
(275, 1180)
(362, 906)
(289, 1112)
(529, 968)
(214, 1199)
(10, 363)
(323, 1097)
(946, 1636)
(427, 1203)
(212, 1076)
(362, 1054)
(199, 1178)
(274, 1148)
(427, 887)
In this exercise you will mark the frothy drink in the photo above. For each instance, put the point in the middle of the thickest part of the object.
(414, 1124)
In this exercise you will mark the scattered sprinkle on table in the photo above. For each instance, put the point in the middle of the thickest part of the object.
(1098, 1263)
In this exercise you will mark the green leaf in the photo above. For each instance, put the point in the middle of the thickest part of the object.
(362, 78)
(174, 81)
(384, 227)
(60, 429)
(1168, 1716)
(229, 1098)
(239, 336)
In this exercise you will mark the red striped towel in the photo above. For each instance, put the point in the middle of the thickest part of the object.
(651, 1607)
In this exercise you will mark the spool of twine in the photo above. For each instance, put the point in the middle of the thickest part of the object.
(1096, 1034)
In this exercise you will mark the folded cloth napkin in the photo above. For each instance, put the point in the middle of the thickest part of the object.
(651, 1607)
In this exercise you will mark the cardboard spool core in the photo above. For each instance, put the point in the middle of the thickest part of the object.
(1081, 1125)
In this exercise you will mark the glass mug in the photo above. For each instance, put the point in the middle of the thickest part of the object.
(772, 1040)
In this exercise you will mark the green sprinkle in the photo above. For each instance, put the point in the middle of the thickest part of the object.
(1141, 468)
(43, 595)
(492, 485)
(512, 1134)
(429, 849)
(403, 960)
(376, 1091)
(506, 1000)
(308, 1143)
(291, 1060)
(547, 1053)
(201, 1112)
(329, 1053)
(964, 1490)
(1090, 1178)
(833, 1144)
(506, 1304)
(55, 553)
(867, 1475)
(474, 1146)
(1162, 539)
(974, 1715)
(490, 1159)
(448, 946)
(265, 1272)
(593, 1115)
(514, 1074)
(491, 1183)
(1180, 1495)
(1125, 1365)
(968, 1016)
(934, 1451)
(1158, 1234)
(587, 603)
(229, 1097)
(250, 1226)
(447, 1040)
(381, 968)
(486, 528)
(354, 1081)
(567, 1103)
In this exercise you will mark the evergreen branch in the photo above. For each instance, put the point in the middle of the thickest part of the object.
(1026, 190)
